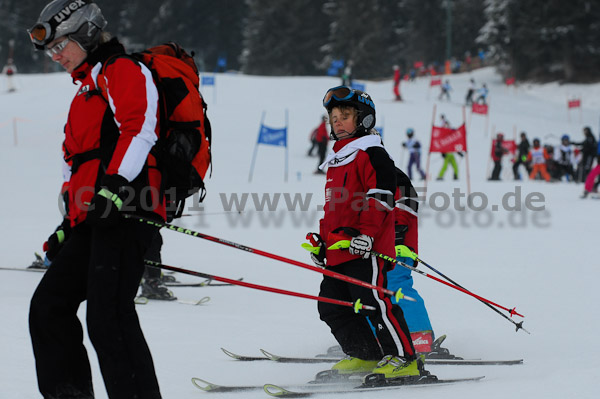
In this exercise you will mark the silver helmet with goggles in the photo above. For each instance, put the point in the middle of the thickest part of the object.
(79, 20)
(346, 96)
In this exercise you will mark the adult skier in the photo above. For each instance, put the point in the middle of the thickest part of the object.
(359, 203)
(107, 160)
(498, 151)
(522, 152)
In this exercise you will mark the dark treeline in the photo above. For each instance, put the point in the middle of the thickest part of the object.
(528, 39)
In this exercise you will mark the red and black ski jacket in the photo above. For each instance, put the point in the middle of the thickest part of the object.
(112, 133)
(359, 194)
(406, 212)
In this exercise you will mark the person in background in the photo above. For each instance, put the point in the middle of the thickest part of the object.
(589, 148)
(397, 79)
(448, 157)
(522, 153)
(445, 90)
(537, 158)
(322, 139)
(107, 159)
(565, 159)
(483, 93)
(10, 70)
(498, 151)
(414, 150)
(470, 92)
(313, 135)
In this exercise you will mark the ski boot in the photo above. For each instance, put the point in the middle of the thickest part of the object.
(155, 289)
(354, 365)
(398, 367)
(39, 263)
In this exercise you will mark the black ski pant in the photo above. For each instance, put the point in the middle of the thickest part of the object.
(496, 171)
(515, 168)
(103, 266)
(322, 151)
(153, 254)
(352, 330)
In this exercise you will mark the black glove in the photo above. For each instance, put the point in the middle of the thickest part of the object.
(106, 203)
(316, 240)
(400, 230)
(57, 239)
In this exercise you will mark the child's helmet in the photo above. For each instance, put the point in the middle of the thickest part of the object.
(80, 20)
(346, 96)
(565, 137)
(410, 132)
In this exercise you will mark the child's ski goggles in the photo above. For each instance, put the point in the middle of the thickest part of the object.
(339, 93)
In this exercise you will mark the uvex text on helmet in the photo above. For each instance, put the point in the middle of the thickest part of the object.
(80, 20)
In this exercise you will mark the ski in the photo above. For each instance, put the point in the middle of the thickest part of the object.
(38, 265)
(432, 361)
(142, 300)
(200, 301)
(242, 357)
(372, 382)
(206, 283)
(210, 387)
(24, 269)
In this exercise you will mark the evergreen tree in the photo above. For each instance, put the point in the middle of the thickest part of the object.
(279, 41)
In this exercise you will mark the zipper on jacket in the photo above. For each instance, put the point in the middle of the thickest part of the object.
(345, 176)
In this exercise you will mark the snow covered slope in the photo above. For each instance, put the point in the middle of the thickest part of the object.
(541, 261)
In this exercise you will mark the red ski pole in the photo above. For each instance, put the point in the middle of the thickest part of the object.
(356, 305)
(345, 244)
(326, 272)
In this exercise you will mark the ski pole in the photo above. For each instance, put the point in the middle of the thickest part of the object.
(519, 326)
(356, 305)
(344, 244)
(398, 295)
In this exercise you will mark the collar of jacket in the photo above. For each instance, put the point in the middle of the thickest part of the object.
(344, 151)
(100, 54)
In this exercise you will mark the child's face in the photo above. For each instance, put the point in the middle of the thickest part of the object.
(343, 121)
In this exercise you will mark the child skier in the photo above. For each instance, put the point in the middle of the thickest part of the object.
(414, 150)
(537, 157)
(359, 203)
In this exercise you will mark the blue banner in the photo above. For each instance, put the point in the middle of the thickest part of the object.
(270, 136)
(208, 81)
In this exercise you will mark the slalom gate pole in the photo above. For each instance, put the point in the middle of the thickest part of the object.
(398, 295)
(519, 326)
(512, 311)
(356, 305)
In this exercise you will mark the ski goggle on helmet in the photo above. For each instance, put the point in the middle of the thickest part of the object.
(346, 96)
(80, 20)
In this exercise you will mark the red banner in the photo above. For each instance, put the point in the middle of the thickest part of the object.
(418, 64)
(510, 81)
(444, 139)
(574, 103)
(509, 145)
(435, 82)
(479, 109)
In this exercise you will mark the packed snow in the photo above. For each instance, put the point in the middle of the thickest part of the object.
(540, 259)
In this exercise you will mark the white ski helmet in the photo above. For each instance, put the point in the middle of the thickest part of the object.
(79, 20)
